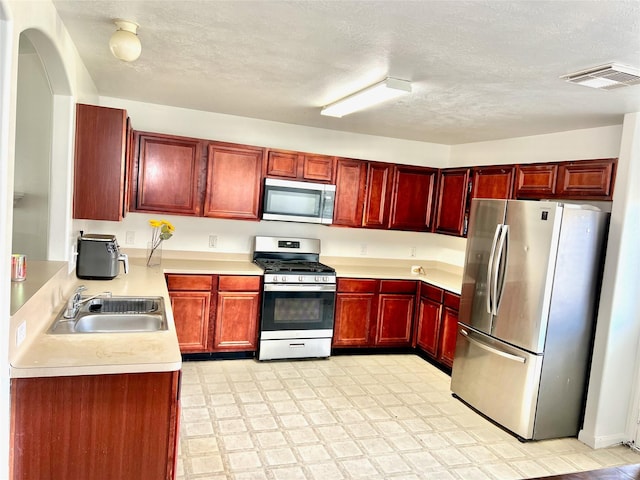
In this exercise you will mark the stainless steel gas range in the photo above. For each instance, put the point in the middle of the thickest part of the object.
(298, 300)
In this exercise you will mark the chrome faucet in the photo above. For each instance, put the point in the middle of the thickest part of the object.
(76, 300)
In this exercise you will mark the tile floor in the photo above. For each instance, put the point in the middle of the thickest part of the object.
(365, 416)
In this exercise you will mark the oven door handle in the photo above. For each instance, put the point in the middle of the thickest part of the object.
(295, 287)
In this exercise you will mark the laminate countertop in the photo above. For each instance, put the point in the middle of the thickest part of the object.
(43, 355)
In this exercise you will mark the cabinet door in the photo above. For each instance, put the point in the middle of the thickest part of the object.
(452, 200)
(493, 182)
(191, 315)
(234, 180)
(282, 164)
(395, 314)
(586, 179)
(428, 329)
(99, 166)
(236, 324)
(448, 336)
(318, 168)
(353, 319)
(412, 198)
(101, 427)
(378, 197)
(167, 174)
(536, 181)
(350, 178)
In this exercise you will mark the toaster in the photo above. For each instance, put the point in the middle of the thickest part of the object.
(99, 257)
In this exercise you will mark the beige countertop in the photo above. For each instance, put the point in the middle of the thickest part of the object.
(36, 303)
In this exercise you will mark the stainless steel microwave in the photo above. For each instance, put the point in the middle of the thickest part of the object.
(292, 201)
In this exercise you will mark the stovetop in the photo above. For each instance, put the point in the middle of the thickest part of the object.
(293, 266)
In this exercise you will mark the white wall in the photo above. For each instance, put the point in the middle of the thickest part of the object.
(603, 142)
(34, 110)
(611, 406)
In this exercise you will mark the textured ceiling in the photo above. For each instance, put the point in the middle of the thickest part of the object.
(481, 70)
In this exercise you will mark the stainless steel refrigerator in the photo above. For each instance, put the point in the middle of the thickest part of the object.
(527, 311)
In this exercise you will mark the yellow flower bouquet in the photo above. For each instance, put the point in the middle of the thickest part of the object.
(160, 230)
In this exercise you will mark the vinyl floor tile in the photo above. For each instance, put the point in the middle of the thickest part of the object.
(362, 416)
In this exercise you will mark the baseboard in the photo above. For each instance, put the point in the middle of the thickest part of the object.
(601, 441)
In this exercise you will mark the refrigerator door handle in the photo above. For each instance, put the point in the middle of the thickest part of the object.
(490, 269)
(500, 267)
(489, 348)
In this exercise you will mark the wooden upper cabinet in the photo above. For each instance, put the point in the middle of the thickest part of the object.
(167, 174)
(587, 179)
(234, 181)
(536, 181)
(453, 188)
(100, 163)
(378, 195)
(300, 166)
(412, 198)
(493, 182)
(350, 189)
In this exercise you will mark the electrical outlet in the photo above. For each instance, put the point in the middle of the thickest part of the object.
(21, 333)
(363, 249)
(213, 241)
(72, 258)
(412, 252)
(130, 238)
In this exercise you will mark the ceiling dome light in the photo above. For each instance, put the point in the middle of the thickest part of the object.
(124, 43)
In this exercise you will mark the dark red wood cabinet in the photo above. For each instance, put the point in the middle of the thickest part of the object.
(536, 181)
(453, 188)
(167, 175)
(300, 166)
(234, 181)
(100, 427)
(100, 164)
(395, 313)
(238, 309)
(350, 190)
(377, 206)
(493, 182)
(437, 323)
(412, 198)
(193, 305)
(356, 312)
(587, 179)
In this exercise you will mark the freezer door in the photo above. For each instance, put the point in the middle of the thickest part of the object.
(497, 379)
(485, 220)
(527, 265)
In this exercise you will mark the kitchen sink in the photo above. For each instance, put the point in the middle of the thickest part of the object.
(119, 322)
(117, 314)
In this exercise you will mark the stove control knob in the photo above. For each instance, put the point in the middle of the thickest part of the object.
(300, 278)
(325, 279)
(317, 279)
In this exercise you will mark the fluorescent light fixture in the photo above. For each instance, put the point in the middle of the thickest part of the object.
(388, 89)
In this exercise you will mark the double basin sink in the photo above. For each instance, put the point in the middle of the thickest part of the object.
(117, 314)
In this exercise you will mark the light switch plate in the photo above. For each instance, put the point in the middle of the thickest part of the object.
(130, 238)
(213, 241)
(21, 333)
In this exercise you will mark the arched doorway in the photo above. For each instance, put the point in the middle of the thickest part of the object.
(41, 215)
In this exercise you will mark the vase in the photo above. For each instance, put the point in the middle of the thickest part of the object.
(154, 255)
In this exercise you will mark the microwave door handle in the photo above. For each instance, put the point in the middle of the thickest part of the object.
(489, 281)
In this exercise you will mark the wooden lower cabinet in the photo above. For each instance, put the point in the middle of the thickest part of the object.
(437, 323)
(373, 313)
(101, 427)
(236, 322)
(215, 313)
(191, 302)
(356, 310)
(395, 313)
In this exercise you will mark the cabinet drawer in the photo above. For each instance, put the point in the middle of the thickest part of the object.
(238, 283)
(398, 286)
(189, 282)
(431, 292)
(451, 300)
(357, 285)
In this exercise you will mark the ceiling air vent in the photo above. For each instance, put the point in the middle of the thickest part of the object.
(606, 77)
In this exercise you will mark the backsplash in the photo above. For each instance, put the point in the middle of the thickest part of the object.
(235, 236)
